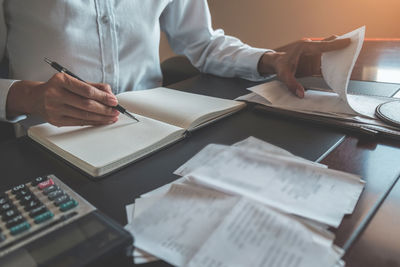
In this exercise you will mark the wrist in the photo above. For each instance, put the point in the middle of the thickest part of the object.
(21, 98)
(267, 63)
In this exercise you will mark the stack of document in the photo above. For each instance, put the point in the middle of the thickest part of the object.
(250, 204)
(335, 105)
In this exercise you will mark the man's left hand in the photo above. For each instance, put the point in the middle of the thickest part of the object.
(301, 58)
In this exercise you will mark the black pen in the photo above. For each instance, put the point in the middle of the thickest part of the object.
(60, 68)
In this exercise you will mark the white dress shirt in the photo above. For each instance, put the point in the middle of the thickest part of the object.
(114, 41)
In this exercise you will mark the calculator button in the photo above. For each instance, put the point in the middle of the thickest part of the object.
(2, 237)
(68, 205)
(68, 215)
(6, 207)
(18, 188)
(20, 228)
(21, 193)
(50, 189)
(31, 205)
(10, 214)
(23, 201)
(15, 221)
(45, 184)
(38, 180)
(55, 194)
(43, 217)
(61, 200)
(3, 199)
(37, 211)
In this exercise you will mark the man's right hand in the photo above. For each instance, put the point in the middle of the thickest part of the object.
(63, 101)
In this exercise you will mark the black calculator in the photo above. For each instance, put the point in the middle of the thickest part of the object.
(46, 223)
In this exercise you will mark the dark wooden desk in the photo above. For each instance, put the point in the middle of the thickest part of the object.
(379, 61)
(379, 245)
(375, 160)
(22, 159)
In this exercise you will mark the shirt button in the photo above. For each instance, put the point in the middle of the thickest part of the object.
(105, 19)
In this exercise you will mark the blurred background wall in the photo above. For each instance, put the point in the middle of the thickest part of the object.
(271, 23)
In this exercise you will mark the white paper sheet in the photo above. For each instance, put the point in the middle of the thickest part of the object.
(142, 257)
(130, 210)
(366, 105)
(141, 204)
(336, 66)
(174, 229)
(278, 94)
(165, 188)
(250, 144)
(146, 258)
(287, 184)
(256, 145)
(139, 256)
(253, 98)
(230, 232)
(254, 235)
(185, 223)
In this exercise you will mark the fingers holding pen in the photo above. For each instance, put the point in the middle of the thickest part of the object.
(102, 95)
(87, 106)
(102, 86)
(67, 101)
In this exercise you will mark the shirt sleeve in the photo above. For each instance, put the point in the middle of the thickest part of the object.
(187, 24)
(5, 84)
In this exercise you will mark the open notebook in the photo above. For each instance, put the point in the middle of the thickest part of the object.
(165, 115)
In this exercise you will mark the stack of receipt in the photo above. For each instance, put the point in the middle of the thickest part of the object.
(250, 204)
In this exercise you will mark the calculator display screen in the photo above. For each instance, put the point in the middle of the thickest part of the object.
(67, 240)
(83, 239)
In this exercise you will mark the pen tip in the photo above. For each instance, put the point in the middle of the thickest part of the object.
(48, 60)
(131, 116)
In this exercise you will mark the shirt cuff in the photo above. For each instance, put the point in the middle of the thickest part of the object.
(250, 64)
(5, 85)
